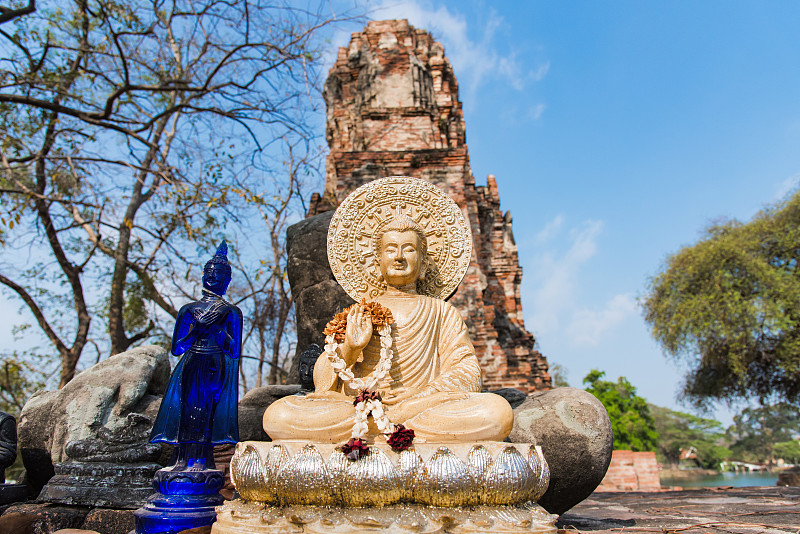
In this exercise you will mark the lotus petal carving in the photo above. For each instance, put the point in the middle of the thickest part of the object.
(297, 473)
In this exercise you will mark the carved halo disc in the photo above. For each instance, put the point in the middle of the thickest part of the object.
(356, 226)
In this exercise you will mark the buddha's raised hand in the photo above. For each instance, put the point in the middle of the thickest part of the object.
(359, 329)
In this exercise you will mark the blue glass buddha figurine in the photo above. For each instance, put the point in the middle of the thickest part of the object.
(201, 400)
(199, 409)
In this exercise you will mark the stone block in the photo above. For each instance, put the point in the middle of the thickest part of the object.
(108, 521)
(252, 406)
(50, 517)
(632, 471)
(17, 523)
(100, 484)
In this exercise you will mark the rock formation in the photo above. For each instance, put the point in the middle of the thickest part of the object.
(393, 109)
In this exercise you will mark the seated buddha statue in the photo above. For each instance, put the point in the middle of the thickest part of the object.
(434, 381)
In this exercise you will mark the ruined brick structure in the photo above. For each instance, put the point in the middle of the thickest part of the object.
(393, 109)
(632, 471)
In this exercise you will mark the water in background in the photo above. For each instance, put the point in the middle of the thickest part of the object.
(737, 480)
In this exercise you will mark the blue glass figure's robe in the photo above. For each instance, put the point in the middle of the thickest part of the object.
(167, 427)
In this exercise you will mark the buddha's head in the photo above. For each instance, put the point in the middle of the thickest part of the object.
(402, 252)
(217, 272)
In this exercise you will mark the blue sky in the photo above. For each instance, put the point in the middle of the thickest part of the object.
(618, 131)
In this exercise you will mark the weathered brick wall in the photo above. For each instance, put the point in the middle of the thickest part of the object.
(631, 471)
(393, 109)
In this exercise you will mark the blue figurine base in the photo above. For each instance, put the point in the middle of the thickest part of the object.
(185, 498)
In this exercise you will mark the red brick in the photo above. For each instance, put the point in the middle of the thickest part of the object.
(631, 471)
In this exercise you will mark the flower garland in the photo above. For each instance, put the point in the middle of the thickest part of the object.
(368, 401)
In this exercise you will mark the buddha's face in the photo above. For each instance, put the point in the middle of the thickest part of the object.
(216, 279)
(400, 258)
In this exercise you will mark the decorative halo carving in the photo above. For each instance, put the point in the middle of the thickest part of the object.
(356, 227)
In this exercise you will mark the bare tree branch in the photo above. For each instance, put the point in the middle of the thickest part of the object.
(7, 13)
(136, 134)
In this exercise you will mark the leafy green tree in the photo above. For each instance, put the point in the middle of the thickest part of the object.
(756, 430)
(631, 421)
(135, 134)
(788, 450)
(729, 306)
(558, 375)
(677, 430)
(18, 381)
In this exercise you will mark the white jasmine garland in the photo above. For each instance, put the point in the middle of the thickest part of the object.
(372, 406)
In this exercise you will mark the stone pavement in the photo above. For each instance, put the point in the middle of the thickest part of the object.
(696, 511)
(769, 510)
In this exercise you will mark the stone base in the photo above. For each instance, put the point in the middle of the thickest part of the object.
(13, 493)
(34, 517)
(101, 484)
(241, 517)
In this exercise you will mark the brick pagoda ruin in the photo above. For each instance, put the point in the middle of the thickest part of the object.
(393, 109)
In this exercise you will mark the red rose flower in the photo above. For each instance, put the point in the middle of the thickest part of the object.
(401, 438)
(366, 395)
(354, 449)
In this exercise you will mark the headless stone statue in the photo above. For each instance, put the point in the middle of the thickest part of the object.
(434, 381)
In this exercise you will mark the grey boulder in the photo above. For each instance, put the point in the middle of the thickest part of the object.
(574, 431)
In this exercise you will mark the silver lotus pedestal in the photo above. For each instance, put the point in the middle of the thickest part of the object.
(292, 486)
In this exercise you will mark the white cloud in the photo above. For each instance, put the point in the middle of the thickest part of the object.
(474, 61)
(584, 241)
(536, 111)
(555, 272)
(550, 230)
(540, 72)
(588, 326)
(556, 308)
(787, 186)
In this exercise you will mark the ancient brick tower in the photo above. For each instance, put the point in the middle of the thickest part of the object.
(393, 109)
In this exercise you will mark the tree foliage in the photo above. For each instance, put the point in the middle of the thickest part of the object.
(729, 305)
(788, 451)
(558, 375)
(756, 430)
(677, 430)
(18, 381)
(134, 135)
(631, 422)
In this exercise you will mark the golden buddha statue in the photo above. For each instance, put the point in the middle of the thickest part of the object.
(399, 364)
(434, 381)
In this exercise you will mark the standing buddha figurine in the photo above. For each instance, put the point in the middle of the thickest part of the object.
(199, 409)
